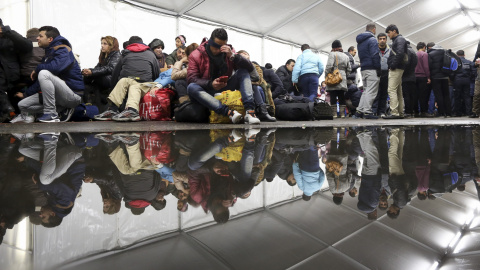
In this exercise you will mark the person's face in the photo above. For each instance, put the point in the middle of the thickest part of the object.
(374, 31)
(220, 169)
(216, 51)
(353, 192)
(391, 34)
(182, 196)
(290, 66)
(46, 213)
(88, 179)
(178, 42)
(354, 52)
(383, 204)
(324, 84)
(291, 179)
(180, 53)
(382, 42)
(158, 51)
(246, 55)
(105, 47)
(43, 40)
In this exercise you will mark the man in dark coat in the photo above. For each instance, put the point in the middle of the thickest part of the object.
(409, 89)
(439, 80)
(352, 77)
(461, 83)
(285, 74)
(272, 78)
(476, 95)
(12, 44)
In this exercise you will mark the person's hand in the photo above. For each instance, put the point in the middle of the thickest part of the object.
(87, 72)
(429, 81)
(226, 49)
(19, 95)
(153, 90)
(184, 60)
(217, 84)
(33, 76)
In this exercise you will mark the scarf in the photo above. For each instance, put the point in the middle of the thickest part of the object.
(218, 66)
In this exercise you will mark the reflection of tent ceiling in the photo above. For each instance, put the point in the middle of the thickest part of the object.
(452, 23)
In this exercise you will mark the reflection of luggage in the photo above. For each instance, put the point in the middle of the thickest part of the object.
(157, 108)
(192, 112)
(157, 147)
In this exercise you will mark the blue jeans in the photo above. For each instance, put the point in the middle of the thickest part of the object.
(239, 81)
(258, 95)
(309, 85)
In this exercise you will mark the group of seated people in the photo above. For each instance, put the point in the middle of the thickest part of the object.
(56, 84)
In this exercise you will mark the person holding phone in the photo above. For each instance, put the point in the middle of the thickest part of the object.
(207, 67)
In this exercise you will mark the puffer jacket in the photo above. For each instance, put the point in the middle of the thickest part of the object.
(399, 49)
(308, 182)
(285, 76)
(106, 70)
(199, 66)
(435, 62)
(137, 61)
(29, 61)
(60, 61)
(368, 51)
(307, 63)
(343, 66)
(11, 45)
(409, 73)
(352, 77)
(274, 81)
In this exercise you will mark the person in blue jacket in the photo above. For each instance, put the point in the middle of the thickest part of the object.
(307, 172)
(59, 81)
(308, 68)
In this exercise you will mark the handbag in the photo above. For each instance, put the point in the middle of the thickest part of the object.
(334, 77)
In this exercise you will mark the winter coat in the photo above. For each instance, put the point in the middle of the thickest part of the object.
(29, 61)
(308, 182)
(137, 61)
(399, 49)
(343, 66)
(165, 78)
(12, 44)
(272, 78)
(354, 94)
(143, 185)
(422, 70)
(467, 73)
(107, 68)
(435, 62)
(199, 66)
(171, 59)
(368, 51)
(307, 63)
(384, 58)
(352, 76)
(285, 76)
(60, 61)
(179, 71)
(409, 73)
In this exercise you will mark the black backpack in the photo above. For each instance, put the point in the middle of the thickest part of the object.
(451, 63)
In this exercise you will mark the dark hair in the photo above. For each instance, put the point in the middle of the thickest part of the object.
(306, 197)
(392, 27)
(461, 187)
(219, 33)
(430, 44)
(137, 211)
(158, 205)
(220, 214)
(50, 31)
(289, 61)
(305, 47)
(125, 44)
(370, 27)
(135, 39)
(421, 196)
(192, 47)
(269, 179)
(393, 215)
(155, 44)
(32, 32)
(337, 200)
(351, 48)
(53, 221)
(461, 53)
(381, 35)
(421, 45)
(352, 194)
(268, 66)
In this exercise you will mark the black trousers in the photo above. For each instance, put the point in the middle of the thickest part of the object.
(410, 97)
(462, 91)
(423, 93)
(333, 97)
(380, 103)
(442, 96)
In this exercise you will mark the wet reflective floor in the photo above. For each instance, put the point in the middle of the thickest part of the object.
(328, 198)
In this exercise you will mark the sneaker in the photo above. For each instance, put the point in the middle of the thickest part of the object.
(473, 115)
(358, 115)
(49, 136)
(128, 115)
(235, 117)
(127, 138)
(24, 136)
(106, 115)
(235, 136)
(370, 116)
(66, 114)
(23, 118)
(49, 118)
(106, 137)
(250, 118)
(251, 133)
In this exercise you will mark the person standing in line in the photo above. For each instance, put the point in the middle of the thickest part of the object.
(422, 79)
(307, 70)
(380, 103)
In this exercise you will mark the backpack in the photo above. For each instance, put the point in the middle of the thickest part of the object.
(451, 63)
(84, 112)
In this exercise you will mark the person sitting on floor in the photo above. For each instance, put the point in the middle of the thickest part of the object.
(179, 72)
(180, 41)
(157, 47)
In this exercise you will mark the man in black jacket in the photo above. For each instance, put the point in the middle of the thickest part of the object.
(352, 77)
(285, 74)
(396, 65)
(476, 95)
(11, 45)
(439, 80)
(409, 88)
(461, 83)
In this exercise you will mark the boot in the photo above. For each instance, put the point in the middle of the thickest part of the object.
(334, 111)
(263, 115)
(342, 111)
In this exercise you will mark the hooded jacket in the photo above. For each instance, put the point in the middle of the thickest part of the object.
(274, 81)
(12, 44)
(467, 73)
(307, 63)
(409, 73)
(399, 49)
(368, 51)
(308, 182)
(60, 61)
(199, 66)
(137, 61)
(435, 62)
(352, 77)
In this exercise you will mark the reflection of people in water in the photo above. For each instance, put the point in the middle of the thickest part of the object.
(59, 172)
(307, 172)
(338, 177)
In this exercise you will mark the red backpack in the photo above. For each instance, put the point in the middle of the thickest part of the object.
(157, 108)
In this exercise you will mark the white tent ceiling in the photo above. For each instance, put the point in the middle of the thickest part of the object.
(452, 23)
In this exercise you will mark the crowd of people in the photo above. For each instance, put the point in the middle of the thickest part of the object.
(41, 78)
(42, 175)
